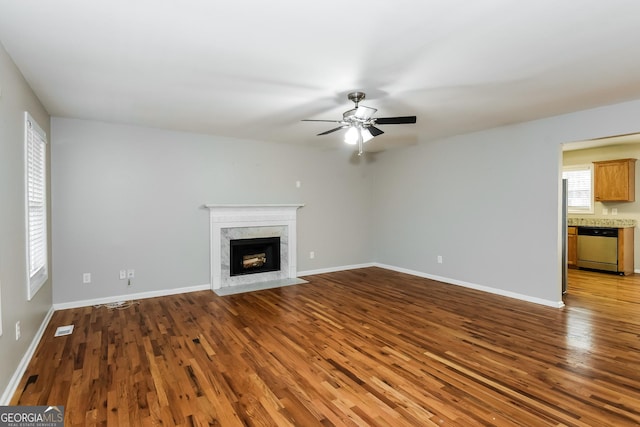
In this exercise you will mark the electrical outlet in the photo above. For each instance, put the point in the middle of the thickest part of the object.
(18, 332)
(86, 278)
(614, 211)
(131, 273)
(439, 259)
(123, 274)
(298, 184)
(312, 255)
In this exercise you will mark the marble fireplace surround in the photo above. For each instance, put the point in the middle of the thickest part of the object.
(229, 222)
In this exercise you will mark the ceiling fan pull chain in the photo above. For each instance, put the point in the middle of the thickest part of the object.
(359, 142)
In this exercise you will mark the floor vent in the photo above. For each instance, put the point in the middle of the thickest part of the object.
(64, 330)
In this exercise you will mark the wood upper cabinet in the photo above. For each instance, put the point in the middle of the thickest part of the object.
(615, 180)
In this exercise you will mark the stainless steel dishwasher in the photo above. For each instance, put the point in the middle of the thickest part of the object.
(598, 248)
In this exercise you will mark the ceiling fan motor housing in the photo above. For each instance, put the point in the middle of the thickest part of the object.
(356, 97)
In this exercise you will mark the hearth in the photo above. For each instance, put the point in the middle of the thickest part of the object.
(257, 255)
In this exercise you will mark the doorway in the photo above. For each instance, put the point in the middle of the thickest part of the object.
(579, 156)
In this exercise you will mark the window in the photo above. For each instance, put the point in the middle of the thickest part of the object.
(579, 188)
(36, 204)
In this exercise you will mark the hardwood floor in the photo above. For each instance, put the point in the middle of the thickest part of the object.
(354, 348)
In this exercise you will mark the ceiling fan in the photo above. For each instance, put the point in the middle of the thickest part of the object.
(360, 122)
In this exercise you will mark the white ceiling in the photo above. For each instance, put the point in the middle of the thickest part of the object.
(254, 69)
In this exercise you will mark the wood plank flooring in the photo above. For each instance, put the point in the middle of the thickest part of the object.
(366, 347)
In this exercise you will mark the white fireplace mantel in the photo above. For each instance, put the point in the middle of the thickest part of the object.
(229, 216)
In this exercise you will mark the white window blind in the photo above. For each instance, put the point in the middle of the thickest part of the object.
(579, 188)
(36, 198)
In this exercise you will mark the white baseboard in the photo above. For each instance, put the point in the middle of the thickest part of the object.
(527, 298)
(334, 269)
(22, 366)
(153, 294)
(128, 297)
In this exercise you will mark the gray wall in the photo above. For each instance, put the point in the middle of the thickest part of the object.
(16, 98)
(487, 202)
(131, 197)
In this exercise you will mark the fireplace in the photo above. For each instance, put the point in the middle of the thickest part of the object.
(244, 222)
(251, 256)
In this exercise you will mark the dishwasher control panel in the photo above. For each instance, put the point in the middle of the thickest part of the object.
(598, 231)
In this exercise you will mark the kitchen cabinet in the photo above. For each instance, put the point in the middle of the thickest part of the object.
(625, 251)
(572, 247)
(614, 180)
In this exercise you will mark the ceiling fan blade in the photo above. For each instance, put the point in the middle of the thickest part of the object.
(314, 120)
(364, 113)
(396, 120)
(375, 131)
(331, 130)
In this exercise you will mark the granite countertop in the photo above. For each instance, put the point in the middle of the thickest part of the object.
(601, 222)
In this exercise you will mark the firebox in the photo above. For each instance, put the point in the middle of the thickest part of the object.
(258, 255)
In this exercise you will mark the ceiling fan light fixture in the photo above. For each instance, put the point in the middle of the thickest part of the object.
(366, 135)
(351, 137)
